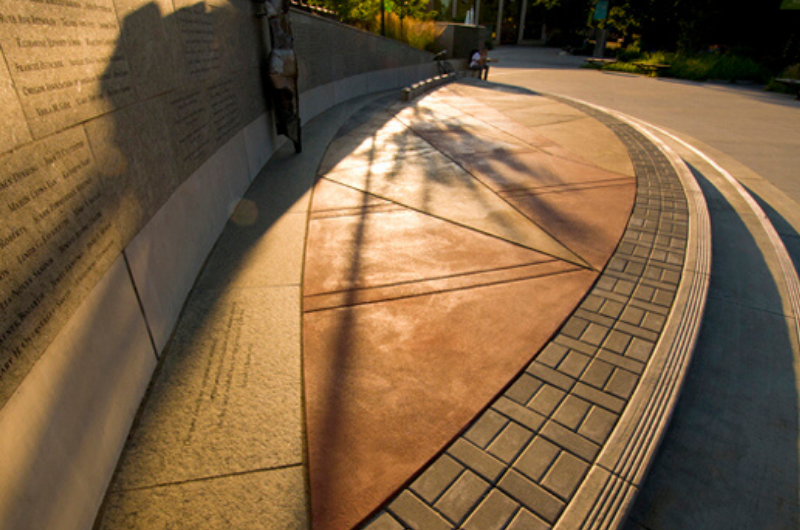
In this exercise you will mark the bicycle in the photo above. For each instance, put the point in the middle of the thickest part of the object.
(443, 64)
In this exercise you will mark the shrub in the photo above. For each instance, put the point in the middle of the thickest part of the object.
(792, 72)
(630, 54)
(697, 67)
(420, 34)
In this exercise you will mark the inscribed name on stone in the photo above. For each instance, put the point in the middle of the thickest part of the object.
(65, 59)
(203, 119)
(56, 240)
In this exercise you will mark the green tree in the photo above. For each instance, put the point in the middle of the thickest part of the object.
(410, 8)
(569, 16)
(352, 11)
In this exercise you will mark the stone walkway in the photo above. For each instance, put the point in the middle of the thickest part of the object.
(499, 297)
(543, 454)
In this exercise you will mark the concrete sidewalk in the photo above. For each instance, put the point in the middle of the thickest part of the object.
(472, 310)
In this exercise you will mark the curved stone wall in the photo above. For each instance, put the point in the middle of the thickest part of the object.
(131, 131)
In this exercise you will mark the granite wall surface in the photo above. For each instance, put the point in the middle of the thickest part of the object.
(131, 129)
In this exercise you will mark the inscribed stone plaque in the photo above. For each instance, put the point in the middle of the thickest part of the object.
(14, 130)
(152, 45)
(226, 118)
(65, 59)
(227, 400)
(237, 31)
(203, 118)
(136, 162)
(57, 239)
(190, 119)
(202, 50)
(253, 97)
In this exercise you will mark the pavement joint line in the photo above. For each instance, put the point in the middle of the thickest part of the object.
(434, 278)
(582, 262)
(226, 289)
(639, 420)
(209, 478)
(726, 300)
(616, 183)
(584, 266)
(444, 291)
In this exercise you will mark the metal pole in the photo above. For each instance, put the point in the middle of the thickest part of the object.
(522, 21)
(600, 44)
(477, 13)
(499, 23)
(383, 18)
(455, 9)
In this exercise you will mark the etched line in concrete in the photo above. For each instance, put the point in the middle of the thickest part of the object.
(546, 244)
(543, 190)
(434, 278)
(211, 477)
(315, 306)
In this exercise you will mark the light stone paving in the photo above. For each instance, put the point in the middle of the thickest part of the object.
(520, 464)
(219, 439)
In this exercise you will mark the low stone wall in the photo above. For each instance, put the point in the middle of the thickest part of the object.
(131, 130)
(460, 40)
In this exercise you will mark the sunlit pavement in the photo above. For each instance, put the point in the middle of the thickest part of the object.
(460, 324)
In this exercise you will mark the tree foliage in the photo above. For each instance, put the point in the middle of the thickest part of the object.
(410, 8)
(756, 28)
(363, 11)
(351, 11)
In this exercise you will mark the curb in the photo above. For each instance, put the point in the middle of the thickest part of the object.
(608, 493)
(417, 89)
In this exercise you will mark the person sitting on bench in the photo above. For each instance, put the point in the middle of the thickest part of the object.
(478, 61)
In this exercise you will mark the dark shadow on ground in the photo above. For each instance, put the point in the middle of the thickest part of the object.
(729, 459)
(786, 231)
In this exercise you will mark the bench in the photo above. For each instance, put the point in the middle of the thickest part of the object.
(652, 69)
(417, 89)
(596, 62)
(792, 84)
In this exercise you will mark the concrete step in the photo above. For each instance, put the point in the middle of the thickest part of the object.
(730, 456)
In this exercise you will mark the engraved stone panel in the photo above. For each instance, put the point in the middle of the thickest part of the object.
(202, 119)
(158, 87)
(14, 130)
(136, 162)
(189, 116)
(236, 30)
(65, 61)
(57, 239)
(252, 96)
(152, 44)
(201, 47)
